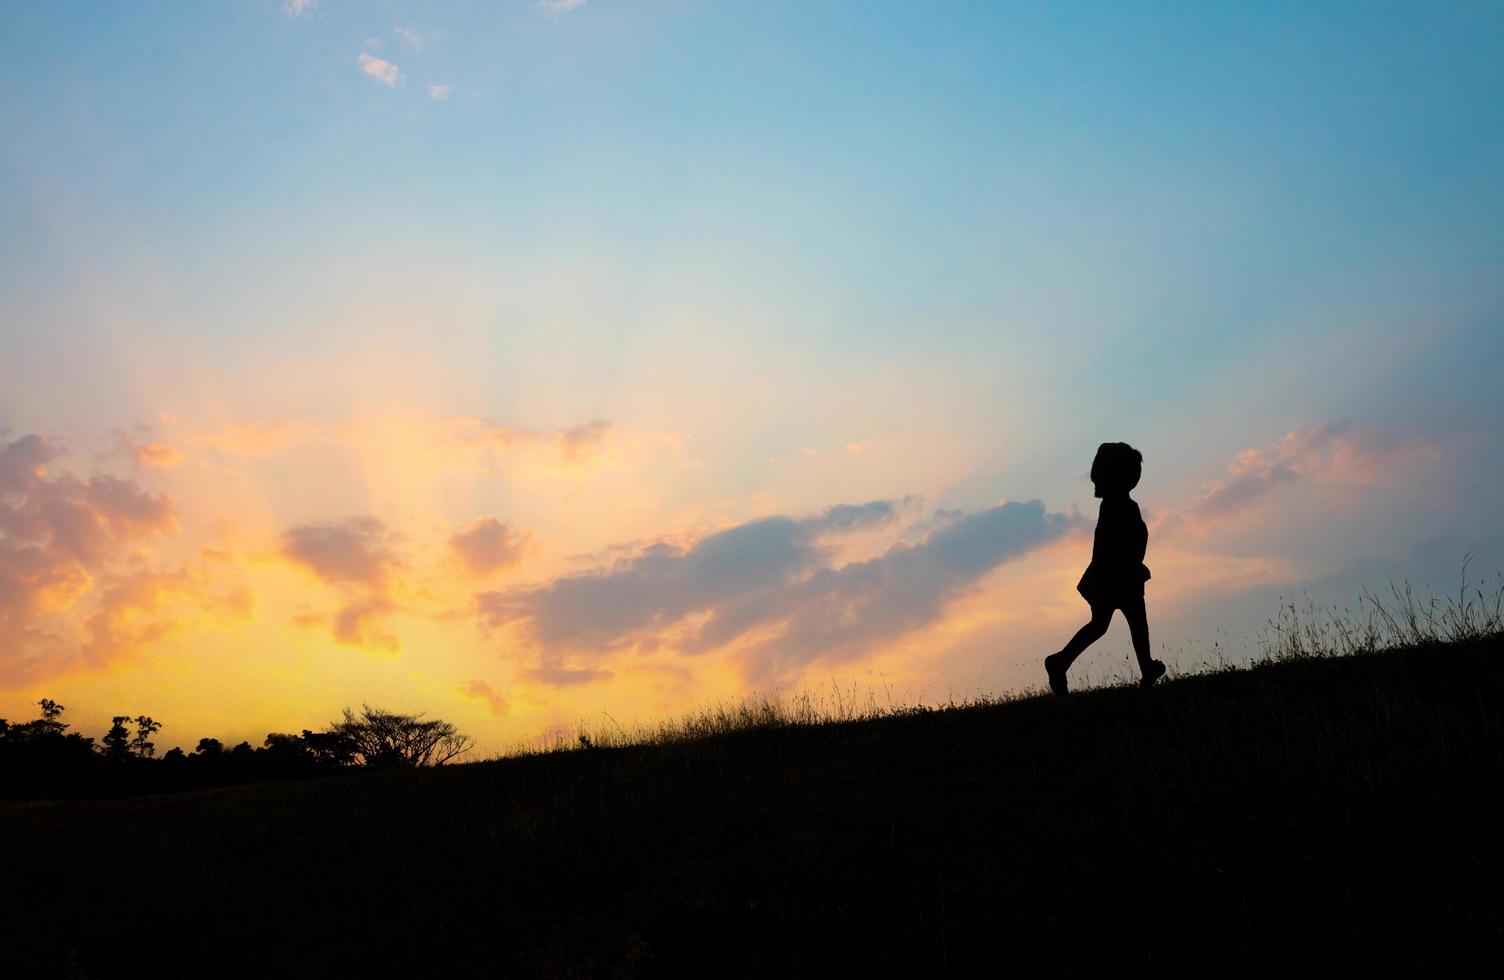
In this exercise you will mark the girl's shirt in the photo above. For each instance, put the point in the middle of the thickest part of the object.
(1122, 536)
(1117, 551)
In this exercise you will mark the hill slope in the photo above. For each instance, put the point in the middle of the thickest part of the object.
(1326, 814)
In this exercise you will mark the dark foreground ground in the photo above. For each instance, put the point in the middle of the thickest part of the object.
(1322, 816)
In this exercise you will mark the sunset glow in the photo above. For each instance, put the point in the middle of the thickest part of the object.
(543, 363)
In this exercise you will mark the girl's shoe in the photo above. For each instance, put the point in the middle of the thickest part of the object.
(1152, 673)
(1056, 670)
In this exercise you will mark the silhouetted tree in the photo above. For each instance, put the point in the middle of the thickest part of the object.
(384, 738)
(329, 748)
(141, 743)
(42, 757)
(44, 727)
(116, 743)
(285, 752)
(281, 742)
(48, 724)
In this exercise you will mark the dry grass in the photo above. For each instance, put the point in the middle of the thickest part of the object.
(1315, 813)
(1400, 619)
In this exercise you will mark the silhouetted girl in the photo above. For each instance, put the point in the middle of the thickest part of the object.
(1116, 576)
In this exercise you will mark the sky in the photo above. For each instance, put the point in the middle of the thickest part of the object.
(538, 364)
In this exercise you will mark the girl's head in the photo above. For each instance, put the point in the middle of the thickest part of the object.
(1116, 469)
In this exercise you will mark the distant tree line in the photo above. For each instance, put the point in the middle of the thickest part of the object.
(42, 758)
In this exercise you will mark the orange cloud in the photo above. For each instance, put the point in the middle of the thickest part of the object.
(354, 625)
(34, 582)
(140, 607)
(126, 620)
(260, 438)
(483, 691)
(155, 455)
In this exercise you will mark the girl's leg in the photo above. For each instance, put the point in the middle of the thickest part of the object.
(1138, 629)
(1101, 617)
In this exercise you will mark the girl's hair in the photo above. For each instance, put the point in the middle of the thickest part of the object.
(1117, 466)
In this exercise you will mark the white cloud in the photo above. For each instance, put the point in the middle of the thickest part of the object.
(558, 6)
(299, 8)
(412, 37)
(440, 92)
(380, 69)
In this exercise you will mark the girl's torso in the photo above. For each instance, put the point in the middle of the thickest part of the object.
(1117, 555)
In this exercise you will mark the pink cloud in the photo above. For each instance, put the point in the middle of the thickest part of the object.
(487, 546)
(57, 533)
(355, 556)
(130, 512)
(1319, 457)
(570, 442)
(349, 552)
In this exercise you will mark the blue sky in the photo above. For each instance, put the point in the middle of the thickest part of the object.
(794, 256)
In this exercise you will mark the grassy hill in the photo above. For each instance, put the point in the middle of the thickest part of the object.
(1319, 814)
